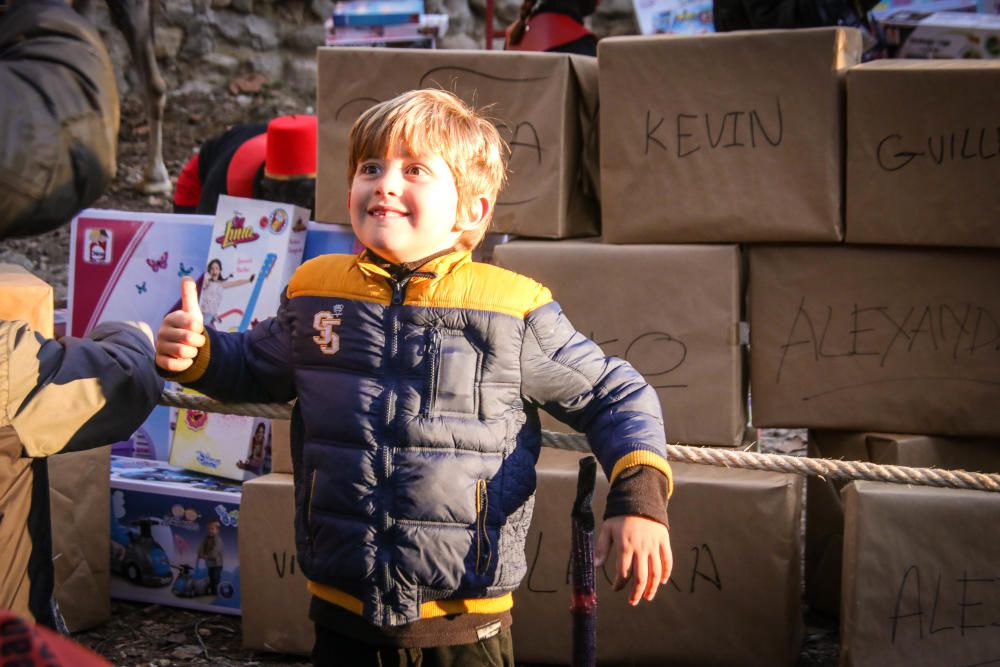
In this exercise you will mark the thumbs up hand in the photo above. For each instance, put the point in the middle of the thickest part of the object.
(182, 332)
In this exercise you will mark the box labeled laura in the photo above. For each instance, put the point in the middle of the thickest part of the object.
(733, 597)
(128, 266)
(825, 508)
(544, 106)
(255, 248)
(869, 338)
(672, 311)
(920, 585)
(923, 152)
(706, 143)
(174, 536)
(275, 598)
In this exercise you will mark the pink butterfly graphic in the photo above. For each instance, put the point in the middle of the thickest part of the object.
(157, 264)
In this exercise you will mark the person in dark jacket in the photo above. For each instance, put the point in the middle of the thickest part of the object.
(731, 15)
(59, 123)
(58, 117)
(553, 25)
(273, 161)
(419, 375)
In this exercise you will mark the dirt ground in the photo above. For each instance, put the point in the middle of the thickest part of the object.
(152, 635)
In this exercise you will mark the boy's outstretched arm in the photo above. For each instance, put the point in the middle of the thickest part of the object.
(640, 550)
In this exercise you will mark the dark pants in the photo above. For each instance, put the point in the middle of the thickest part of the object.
(214, 577)
(333, 650)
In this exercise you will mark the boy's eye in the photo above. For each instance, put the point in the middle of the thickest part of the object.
(417, 170)
(368, 168)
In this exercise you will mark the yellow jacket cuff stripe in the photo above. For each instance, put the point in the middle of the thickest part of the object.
(197, 369)
(642, 457)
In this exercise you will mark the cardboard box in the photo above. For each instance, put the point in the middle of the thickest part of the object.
(954, 35)
(128, 266)
(733, 597)
(875, 339)
(79, 498)
(825, 510)
(922, 168)
(543, 103)
(673, 312)
(24, 296)
(275, 599)
(281, 446)
(920, 585)
(161, 517)
(706, 143)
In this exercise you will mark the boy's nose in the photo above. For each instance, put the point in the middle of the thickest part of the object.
(390, 183)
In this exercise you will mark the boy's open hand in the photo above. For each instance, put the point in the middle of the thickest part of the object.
(182, 332)
(641, 549)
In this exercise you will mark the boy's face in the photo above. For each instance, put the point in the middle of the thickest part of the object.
(405, 207)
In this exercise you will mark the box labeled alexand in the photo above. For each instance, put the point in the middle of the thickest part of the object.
(174, 537)
(870, 338)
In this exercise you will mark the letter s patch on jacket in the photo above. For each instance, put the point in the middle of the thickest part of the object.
(323, 322)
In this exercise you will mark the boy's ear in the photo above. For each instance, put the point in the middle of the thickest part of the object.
(477, 213)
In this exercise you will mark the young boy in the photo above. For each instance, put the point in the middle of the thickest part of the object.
(419, 375)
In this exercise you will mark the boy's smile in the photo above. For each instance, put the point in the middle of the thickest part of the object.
(405, 207)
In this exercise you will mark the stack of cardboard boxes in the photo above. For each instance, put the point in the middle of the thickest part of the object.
(724, 155)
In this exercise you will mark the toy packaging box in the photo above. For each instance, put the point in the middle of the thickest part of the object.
(255, 247)
(174, 537)
(128, 266)
(954, 35)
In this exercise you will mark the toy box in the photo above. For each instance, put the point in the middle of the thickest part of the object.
(174, 537)
(128, 266)
(673, 16)
(226, 445)
(954, 35)
(254, 249)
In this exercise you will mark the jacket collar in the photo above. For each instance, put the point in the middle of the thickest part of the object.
(439, 266)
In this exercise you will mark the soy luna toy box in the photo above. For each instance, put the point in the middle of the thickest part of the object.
(174, 536)
(255, 247)
(128, 266)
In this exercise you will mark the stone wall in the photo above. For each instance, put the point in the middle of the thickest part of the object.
(204, 44)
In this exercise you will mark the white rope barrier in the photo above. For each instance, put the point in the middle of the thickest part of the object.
(728, 458)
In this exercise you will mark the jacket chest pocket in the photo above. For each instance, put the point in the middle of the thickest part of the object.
(452, 369)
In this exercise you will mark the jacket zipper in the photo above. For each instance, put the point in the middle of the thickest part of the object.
(309, 514)
(484, 549)
(433, 351)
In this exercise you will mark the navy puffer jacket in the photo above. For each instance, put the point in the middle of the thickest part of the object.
(416, 430)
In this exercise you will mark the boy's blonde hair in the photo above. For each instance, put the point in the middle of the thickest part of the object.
(432, 121)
